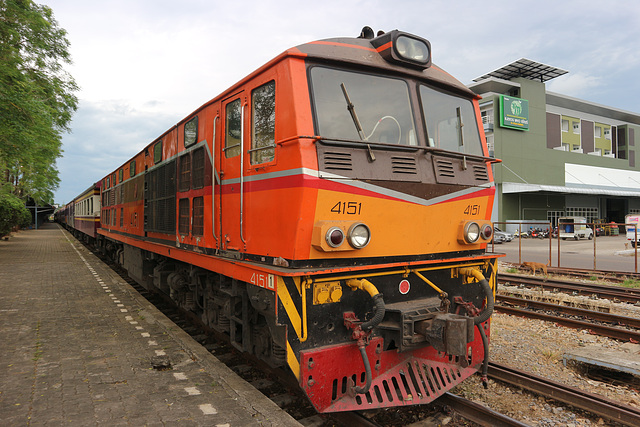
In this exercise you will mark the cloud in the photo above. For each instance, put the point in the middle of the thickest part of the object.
(143, 65)
(578, 85)
(105, 135)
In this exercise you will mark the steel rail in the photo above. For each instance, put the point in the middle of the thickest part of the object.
(631, 295)
(617, 276)
(478, 413)
(553, 281)
(572, 311)
(603, 330)
(589, 402)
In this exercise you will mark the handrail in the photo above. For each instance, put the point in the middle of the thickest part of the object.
(242, 173)
(214, 177)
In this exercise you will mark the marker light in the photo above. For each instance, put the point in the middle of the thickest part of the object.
(471, 232)
(487, 232)
(334, 237)
(359, 235)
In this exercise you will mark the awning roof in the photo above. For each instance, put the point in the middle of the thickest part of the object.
(516, 187)
(526, 68)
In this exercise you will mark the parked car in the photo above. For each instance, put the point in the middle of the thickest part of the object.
(574, 227)
(506, 237)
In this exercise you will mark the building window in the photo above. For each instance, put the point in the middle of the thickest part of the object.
(263, 122)
(491, 145)
(487, 116)
(121, 175)
(185, 172)
(591, 214)
(565, 125)
(552, 217)
(183, 215)
(598, 132)
(198, 216)
(191, 132)
(607, 133)
(121, 216)
(132, 169)
(157, 153)
(576, 127)
(233, 126)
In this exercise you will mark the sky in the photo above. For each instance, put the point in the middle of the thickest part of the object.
(143, 65)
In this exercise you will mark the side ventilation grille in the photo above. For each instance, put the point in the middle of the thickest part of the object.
(444, 168)
(335, 160)
(404, 165)
(480, 172)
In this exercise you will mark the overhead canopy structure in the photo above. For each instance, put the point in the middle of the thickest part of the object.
(516, 187)
(525, 68)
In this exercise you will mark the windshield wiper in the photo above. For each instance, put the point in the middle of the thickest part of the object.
(352, 111)
(356, 121)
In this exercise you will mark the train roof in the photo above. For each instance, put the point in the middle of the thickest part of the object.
(366, 52)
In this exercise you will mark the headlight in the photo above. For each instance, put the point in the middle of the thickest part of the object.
(359, 235)
(412, 49)
(471, 232)
(403, 49)
(487, 232)
(334, 237)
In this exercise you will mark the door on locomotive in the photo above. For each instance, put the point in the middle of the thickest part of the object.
(231, 155)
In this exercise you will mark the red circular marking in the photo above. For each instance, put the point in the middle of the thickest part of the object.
(404, 287)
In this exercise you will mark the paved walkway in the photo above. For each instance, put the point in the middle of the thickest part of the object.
(78, 346)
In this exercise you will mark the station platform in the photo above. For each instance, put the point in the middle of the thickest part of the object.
(78, 346)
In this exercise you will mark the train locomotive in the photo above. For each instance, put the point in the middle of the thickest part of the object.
(329, 213)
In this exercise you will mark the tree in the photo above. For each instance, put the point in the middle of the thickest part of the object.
(37, 99)
(13, 214)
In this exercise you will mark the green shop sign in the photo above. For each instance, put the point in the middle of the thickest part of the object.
(514, 113)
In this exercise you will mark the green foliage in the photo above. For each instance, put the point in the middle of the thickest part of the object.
(13, 213)
(37, 98)
(630, 283)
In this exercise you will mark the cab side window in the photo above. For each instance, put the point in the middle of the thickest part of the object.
(263, 123)
(233, 127)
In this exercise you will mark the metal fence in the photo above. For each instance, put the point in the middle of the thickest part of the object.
(607, 246)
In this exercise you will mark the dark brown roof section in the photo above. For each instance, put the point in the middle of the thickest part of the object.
(361, 52)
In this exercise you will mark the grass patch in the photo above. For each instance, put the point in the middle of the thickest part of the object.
(630, 283)
(550, 355)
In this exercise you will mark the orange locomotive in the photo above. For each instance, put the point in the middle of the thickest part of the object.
(330, 213)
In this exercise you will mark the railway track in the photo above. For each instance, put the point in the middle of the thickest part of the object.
(589, 402)
(254, 371)
(615, 293)
(609, 275)
(283, 388)
(477, 413)
(551, 312)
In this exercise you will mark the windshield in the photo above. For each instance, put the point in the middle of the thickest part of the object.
(362, 107)
(446, 115)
